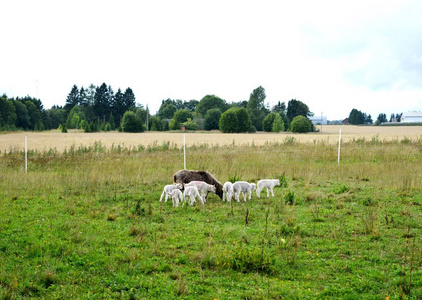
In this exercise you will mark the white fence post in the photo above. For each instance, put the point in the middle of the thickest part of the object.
(339, 142)
(26, 155)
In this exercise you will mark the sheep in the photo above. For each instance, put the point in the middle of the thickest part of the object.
(186, 176)
(176, 197)
(192, 192)
(228, 191)
(202, 187)
(243, 187)
(267, 183)
(168, 189)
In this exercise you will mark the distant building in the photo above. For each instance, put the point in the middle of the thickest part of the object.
(411, 117)
(318, 120)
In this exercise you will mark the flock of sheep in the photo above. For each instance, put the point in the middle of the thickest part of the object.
(197, 184)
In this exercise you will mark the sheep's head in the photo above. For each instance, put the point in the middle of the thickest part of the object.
(212, 189)
(253, 185)
(277, 181)
(179, 186)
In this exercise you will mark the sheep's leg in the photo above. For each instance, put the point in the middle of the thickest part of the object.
(258, 192)
(268, 192)
(201, 199)
(244, 196)
(162, 195)
(272, 192)
(224, 195)
(237, 196)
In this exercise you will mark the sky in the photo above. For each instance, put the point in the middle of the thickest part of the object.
(332, 55)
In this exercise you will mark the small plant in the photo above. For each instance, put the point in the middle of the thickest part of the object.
(289, 198)
(234, 178)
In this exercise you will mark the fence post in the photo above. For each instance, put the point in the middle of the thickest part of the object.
(339, 142)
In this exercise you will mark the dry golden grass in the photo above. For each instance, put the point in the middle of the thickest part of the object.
(42, 141)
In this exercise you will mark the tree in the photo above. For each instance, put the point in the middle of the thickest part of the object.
(382, 118)
(235, 120)
(190, 124)
(278, 124)
(256, 107)
(131, 122)
(73, 98)
(267, 123)
(212, 118)
(300, 124)
(190, 105)
(7, 112)
(57, 116)
(167, 109)
(356, 117)
(174, 124)
(155, 123)
(245, 122)
(182, 115)
(368, 119)
(279, 107)
(128, 99)
(118, 107)
(22, 120)
(34, 116)
(297, 108)
(102, 101)
(75, 118)
(210, 102)
(228, 122)
(286, 120)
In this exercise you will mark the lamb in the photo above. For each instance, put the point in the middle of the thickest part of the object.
(228, 191)
(186, 176)
(192, 193)
(267, 183)
(202, 187)
(176, 197)
(243, 187)
(168, 189)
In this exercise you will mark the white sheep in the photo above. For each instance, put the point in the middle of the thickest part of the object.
(267, 183)
(243, 187)
(168, 189)
(202, 187)
(176, 197)
(228, 191)
(192, 192)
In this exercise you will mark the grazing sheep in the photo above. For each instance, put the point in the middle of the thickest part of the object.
(202, 187)
(176, 197)
(228, 192)
(243, 187)
(267, 183)
(168, 189)
(191, 192)
(186, 176)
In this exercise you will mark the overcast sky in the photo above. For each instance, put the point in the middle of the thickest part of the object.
(332, 55)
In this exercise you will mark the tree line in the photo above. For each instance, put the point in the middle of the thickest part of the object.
(357, 117)
(100, 108)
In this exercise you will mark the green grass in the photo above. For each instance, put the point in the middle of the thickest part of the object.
(88, 224)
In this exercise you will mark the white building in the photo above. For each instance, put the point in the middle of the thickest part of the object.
(411, 117)
(318, 120)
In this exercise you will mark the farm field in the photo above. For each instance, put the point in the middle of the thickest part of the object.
(43, 141)
(85, 222)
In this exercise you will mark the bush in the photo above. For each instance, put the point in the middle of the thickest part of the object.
(190, 124)
(300, 124)
(212, 118)
(235, 120)
(131, 122)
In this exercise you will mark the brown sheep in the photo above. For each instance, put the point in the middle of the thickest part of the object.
(186, 176)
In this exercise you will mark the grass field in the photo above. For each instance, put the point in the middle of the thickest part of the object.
(43, 141)
(85, 221)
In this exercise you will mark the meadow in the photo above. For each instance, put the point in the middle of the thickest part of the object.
(85, 222)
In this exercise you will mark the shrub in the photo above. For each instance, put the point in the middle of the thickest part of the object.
(131, 122)
(300, 124)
